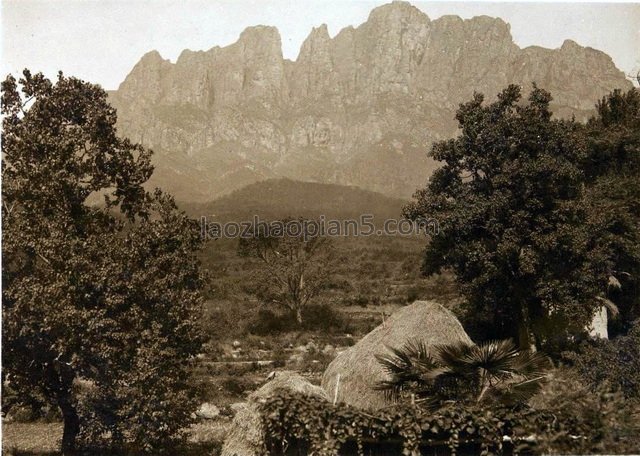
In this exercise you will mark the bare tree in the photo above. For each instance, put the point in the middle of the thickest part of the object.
(294, 258)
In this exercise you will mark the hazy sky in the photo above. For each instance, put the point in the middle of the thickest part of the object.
(101, 41)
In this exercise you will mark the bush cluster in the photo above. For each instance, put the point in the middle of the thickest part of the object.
(613, 362)
(584, 424)
(315, 317)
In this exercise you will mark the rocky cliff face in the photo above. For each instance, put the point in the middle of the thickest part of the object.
(361, 108)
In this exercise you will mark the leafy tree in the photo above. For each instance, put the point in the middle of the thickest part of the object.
(294, 260)
(612, 196)
(511, 230)
(473, 374)
(100, 301)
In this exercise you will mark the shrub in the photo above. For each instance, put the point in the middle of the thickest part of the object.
(236, 386)
(314, 361)
(587, 420)
(338, 284)
(269, 322)
(567, 421)
(357, 300)
(413, 293)
(615, 362)
(224, 319)
(321, 317)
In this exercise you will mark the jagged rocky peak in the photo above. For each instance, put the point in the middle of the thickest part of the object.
(145, 79)
(398, 12)
(261, 39)
(317, 41)
(312, 72)
(256, 64)
(382, 91)
(570, 45)
(188, 56)
(397, 29)
(152, 58)
(377, 57)
(463, 56)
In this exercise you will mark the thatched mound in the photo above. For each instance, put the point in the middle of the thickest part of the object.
(246, 432)
(357, 369)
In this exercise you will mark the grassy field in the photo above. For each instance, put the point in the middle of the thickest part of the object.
(31, 438)
(43, 439)
(369, 275)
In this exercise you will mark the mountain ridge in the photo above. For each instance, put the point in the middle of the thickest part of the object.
(279, 198)
(361, 108)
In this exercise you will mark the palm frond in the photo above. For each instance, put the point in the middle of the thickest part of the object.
(409, 367)
(530, 364)
(493, 370)
(492, 359)
(516, 393)
(412, 357)
(453, 356)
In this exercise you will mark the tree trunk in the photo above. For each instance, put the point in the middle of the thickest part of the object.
(526, 339)
(71, 423)
(299, 315)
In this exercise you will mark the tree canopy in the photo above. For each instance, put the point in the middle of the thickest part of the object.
(100, 301)
(509, 200)
(612, 197)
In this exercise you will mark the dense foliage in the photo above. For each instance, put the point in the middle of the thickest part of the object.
(534, 218)
(589, 424)
(612, 197)
(589, 420)
(100, 301)
(492, 372)
(615, 363)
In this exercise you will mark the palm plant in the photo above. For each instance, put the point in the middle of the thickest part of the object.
(490, 372)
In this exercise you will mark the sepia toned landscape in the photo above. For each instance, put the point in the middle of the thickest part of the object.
(418, 237)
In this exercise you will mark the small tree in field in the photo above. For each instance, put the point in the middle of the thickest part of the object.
(294, 263)
(105, 296)
(511, 227)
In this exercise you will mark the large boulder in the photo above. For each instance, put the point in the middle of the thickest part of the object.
(246, 433)
(352, 376)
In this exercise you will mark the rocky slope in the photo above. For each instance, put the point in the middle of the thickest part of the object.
(360, 108)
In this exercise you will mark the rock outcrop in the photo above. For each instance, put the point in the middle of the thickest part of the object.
(381, 92)
(353, 375)
(246, 434)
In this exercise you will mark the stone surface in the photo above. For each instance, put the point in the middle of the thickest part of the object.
(246, 433)
(382, 92)
(208, 411)
(353, 375)
(599, 324)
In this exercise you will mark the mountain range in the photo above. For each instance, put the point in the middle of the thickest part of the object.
(359, 109)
